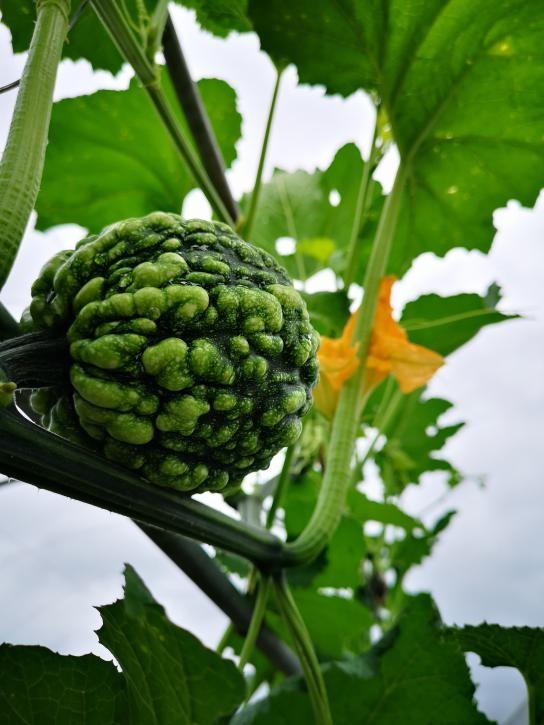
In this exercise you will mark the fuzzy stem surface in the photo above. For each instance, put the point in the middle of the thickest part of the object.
(24, 155)
(332, 496)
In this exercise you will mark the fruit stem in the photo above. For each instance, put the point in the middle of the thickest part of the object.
(24, 155)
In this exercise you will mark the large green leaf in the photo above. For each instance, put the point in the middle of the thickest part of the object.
(462, 84)
(444, 324)
(316, 211)
(43, 687)
(414, 676)
(170, 676)
(413, 439)
(109, 156)
(519, 647)
(167, 676)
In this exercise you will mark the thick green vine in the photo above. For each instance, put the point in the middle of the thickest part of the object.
(328, 510)
(23, 159)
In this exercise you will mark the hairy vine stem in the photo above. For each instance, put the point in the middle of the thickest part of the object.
(114, 21)
(332, 496)
(257, 618)
(23, 159)
(305, 650)
(361, 207)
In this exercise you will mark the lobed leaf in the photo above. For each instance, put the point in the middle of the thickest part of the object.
(519, 647)
(109, 157)
(170, 677)
(462, 86)
(444, 324)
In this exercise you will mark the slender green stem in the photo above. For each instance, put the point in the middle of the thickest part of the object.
(261, 600)
(247, 225)
(281, 486)
(331, 501)
(229, 629)
(361, 207)
(194, 110)
(305, 650)
(113, 19)
(23, 159)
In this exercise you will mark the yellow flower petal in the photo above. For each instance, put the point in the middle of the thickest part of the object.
(390, 353)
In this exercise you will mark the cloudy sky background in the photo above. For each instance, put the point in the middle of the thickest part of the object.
(59, 557)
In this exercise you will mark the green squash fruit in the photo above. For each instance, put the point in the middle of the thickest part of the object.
(193, 357)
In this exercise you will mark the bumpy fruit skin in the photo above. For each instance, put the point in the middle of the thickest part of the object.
(193, 357)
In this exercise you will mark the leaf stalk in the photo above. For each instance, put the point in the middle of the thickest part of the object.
(247, 224)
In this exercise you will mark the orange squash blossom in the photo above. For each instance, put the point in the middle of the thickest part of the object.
(390, 353)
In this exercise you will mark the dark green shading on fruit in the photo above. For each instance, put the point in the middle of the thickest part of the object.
(193, 357)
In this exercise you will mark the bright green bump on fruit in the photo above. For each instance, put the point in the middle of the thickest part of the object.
(199, 474)
(267, 344)
(90, 292)
(130, 428)
(239, 346)
(288, 297)
(124, 427)
(169, 266)
(290, 431)
(294, 400)
(272, 416)
(254, 367)
(181, 414)
(208, 363)
(173, 466)
(170, 245)
(225, 401)
(167, 362)
(188, 301)
(193, 358)
(110, 352)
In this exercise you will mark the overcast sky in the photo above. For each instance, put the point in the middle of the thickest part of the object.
(59, 557)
